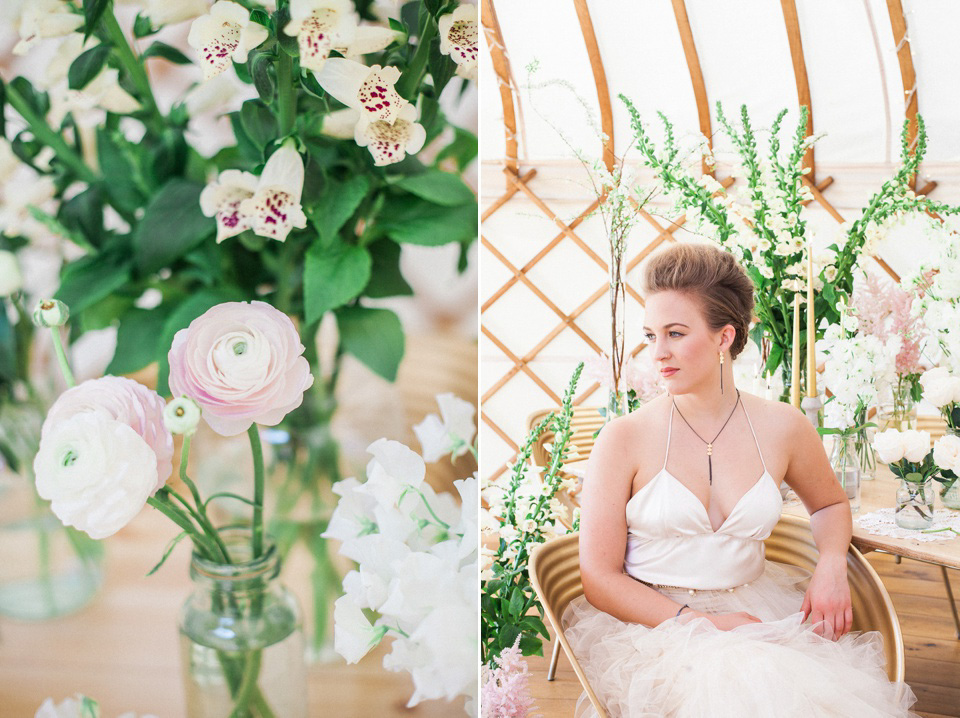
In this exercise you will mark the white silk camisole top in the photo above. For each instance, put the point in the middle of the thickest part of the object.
(671, 542)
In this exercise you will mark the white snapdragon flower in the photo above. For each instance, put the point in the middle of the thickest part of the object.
(11, 280)
(274, 209)
(170, 12)
(451, 433)
(226, 33)
(355, 636)
(368, 89)
(459, 38)
(388, 143)
(43, 19)
(222, 199)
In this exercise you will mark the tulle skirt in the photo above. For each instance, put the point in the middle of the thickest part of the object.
(687, 668)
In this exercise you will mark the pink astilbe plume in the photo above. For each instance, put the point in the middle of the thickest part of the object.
(884, 311)
(505, 693)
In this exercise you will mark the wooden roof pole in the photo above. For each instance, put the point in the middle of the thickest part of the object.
(501, 66)
(792, 23)
(599, 78)
(696, 75)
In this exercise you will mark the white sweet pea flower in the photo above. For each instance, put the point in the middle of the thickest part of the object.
(353, 636)
(45, 18)
(392, 143)
(321, 26)
(452, 433)
(368, 89)
(353, 516)
(468, 526)
(459, 38)
(226, 33)
(376, 555)
(274, 209)
(393, 470)
(10, 278)
(222, 199)
(170, 12)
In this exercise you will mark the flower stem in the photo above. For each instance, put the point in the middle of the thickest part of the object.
(138, 74)
(62, 357)
(286, 97)
(257, 450)
(176, 515)
(201, 511)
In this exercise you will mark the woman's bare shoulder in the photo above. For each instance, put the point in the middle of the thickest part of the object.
(628, 433)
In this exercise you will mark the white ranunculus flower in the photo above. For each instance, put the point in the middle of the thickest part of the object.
(226, 33)
(274, 209)
(222, 199)
(889, 446)
(170, 12)
(10, 278)
(459, 38)
(45, 18)
(392, 143)
(368, 89)
(939, 387)
(353, 636)
(437, 435)
(946, 453)
(96, 472)
(916, 445)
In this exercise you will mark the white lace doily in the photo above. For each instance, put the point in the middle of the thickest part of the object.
(881, 523)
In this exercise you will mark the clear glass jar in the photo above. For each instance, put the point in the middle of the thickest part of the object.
(915, 504)
(897, 410)
(846, 466)
(950, 496)
(241, 639)
(866, 457)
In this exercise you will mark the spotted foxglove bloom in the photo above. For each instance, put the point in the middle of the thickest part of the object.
(388, 143)
(368, 89)
(222, 199)
(459, 38)
(340, 123)
(321, 26)
(45, 18)
(170, 12)
(226, 33)
(450, 434)
(274, 209)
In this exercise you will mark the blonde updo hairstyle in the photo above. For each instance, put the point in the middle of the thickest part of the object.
(712, 276)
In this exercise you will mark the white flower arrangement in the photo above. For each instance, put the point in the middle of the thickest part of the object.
(417, 561)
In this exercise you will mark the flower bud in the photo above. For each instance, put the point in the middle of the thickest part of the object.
(181, 416)
(10, 277)
(50, 313)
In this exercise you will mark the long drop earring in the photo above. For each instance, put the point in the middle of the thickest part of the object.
(721, 372)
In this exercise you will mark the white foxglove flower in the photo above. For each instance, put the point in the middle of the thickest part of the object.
(354, 636)
(170, 12)
(10, 278)
(96, 472)
(69, 49)
(274, 209)
(103, 92)
(392, 143)
(42, 19)
(369, 38)
(225, 34)
(17, 196)
(222, 199)
(453, 433)
(459, 38)
(368, 89)
(321, 26)
(340, 124)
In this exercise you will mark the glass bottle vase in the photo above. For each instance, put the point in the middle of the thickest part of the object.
(897, 410)
(846, 466)
(915, 504)
(241, 639)
(950, 496)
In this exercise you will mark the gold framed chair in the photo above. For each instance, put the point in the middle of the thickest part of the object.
(555, 574)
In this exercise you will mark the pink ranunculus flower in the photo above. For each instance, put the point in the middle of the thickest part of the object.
(123, 400)
(242, 364)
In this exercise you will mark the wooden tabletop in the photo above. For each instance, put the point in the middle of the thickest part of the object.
(123, 648)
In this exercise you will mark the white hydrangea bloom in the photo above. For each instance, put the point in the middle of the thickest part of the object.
(223, 35)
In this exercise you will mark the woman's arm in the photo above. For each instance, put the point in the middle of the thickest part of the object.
(810, 475)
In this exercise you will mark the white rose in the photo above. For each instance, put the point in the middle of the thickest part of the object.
(10, 278)
(97, 472)
(938, 387)
(916, 445)
(946, 453)
(889, 446)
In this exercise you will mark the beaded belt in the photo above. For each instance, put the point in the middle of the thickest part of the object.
(691, 591)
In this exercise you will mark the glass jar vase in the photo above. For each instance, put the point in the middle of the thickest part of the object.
(897, 409)
(915, 504)
(950, 496)
(846, 466)
(241, 640)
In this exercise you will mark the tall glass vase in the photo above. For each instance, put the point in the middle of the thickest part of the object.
(241, 639)
(846, 466)
(866, 457)
(897, 410)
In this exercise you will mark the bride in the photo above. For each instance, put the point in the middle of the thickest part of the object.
(682, 614)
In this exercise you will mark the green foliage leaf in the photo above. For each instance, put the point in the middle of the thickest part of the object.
(3, 108)
(83, 214)
(58, 229)
(87, 66)
(419, 222)
(37, 101)
(443, 188)
(386, 280)
(261, 72)
(90, 279)
(142, 27)
(8, 348)
(442, 67)
(531, 646)
(170, 546)
(397, 26)
(122, 181)
(171, 226)
(259, 123)
(92, 12)
(138, 338)
(462, 150)
(374, 336)
(336, 204)
(168, 53)
(332, 276)
(288, 44)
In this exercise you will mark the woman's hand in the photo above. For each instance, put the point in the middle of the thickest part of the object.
(727, 621)
(827, 602)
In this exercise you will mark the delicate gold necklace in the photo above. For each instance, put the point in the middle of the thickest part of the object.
(709, 443)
